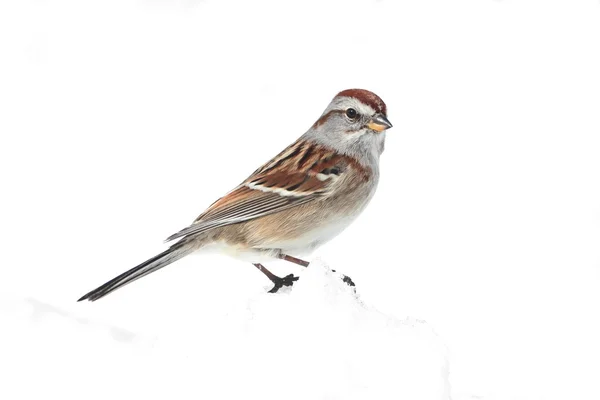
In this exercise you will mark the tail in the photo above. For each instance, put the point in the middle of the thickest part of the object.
(163, 259)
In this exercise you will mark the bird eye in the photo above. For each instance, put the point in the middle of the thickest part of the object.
(351, 113)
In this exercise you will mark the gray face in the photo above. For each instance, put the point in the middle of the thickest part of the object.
(344, 127)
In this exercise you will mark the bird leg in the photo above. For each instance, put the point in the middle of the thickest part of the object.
(347, 280)
(293, 259)
(277, 281)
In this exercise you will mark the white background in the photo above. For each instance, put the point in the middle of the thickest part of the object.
(120, 121)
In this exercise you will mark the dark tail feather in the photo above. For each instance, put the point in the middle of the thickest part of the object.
(147, 267)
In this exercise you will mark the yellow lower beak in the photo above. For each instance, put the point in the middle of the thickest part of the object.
(379, 123)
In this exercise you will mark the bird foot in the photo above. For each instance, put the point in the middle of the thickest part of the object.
(346, 279)
(281, 282)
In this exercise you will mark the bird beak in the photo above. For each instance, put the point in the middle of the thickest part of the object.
(379, 123)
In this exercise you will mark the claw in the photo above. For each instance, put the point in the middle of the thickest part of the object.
(285, 281)
(346, 279)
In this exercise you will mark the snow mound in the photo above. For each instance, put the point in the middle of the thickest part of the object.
(317, 340)
(323, 342)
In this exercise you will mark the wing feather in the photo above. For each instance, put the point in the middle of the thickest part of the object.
(257, 205)
(300, 174)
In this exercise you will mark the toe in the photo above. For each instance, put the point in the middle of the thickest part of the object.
(346, 279)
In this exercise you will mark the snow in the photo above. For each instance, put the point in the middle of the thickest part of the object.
(120, 121)
(318, 340)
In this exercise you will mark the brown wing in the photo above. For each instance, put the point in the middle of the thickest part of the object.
(301, 173)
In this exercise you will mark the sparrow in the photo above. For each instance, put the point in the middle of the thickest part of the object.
(300, 199)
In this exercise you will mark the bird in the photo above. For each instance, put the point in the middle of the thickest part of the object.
(294, 203)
